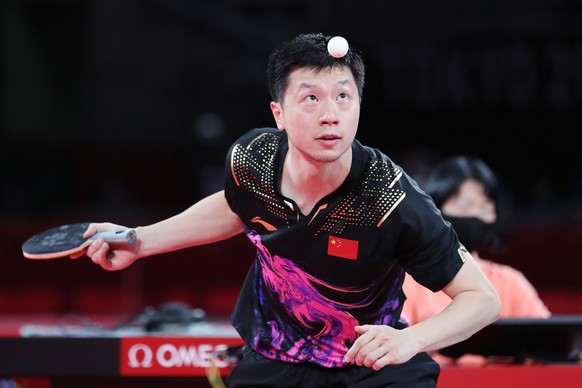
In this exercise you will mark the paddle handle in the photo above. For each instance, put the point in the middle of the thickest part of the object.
(124, 236)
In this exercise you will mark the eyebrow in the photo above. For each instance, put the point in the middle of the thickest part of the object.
(307, 85)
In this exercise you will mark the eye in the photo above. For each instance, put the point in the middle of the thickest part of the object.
(311, 97)
(343, 96)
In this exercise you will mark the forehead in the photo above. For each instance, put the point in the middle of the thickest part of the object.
(472, 188)
(310, 76)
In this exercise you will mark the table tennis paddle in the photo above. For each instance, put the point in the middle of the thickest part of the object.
(67, 239)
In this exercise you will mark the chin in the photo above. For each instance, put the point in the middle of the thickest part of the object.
(327, 156)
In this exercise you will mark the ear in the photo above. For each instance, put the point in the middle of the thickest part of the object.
(277, 114)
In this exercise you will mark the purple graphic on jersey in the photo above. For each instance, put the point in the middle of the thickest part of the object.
(330, 327)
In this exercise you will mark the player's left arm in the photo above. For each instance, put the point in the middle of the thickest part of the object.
(474, 305)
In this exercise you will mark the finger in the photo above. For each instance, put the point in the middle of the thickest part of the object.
(76, 255)
(94, 247)
(374, 357)
(370, 346)
(91, 230)
(99, 253)
(368, 353)
(355, 349)
(382, 362)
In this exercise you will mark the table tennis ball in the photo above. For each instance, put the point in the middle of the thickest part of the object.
(337, 46)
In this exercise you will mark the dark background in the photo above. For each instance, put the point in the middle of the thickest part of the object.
(129, 106)
(123, 110)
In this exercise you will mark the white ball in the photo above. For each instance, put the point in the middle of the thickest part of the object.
(337, 46)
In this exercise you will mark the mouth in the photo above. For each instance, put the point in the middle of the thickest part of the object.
(328, 140)
(328, 137)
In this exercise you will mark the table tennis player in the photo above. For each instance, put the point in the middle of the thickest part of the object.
(336, 225)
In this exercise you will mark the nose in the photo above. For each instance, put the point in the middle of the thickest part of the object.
(328, 113)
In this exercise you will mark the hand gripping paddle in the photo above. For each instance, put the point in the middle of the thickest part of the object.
(68, 239)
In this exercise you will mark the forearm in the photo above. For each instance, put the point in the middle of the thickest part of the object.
(468, 313)
(474, 305)
(207, 221)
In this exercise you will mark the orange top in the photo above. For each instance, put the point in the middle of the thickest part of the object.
(519, 299)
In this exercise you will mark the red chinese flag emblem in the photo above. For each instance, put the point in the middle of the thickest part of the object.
(342, 247)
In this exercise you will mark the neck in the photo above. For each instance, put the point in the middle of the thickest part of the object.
(307, 182)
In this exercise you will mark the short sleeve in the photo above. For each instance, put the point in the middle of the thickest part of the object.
(428, 248)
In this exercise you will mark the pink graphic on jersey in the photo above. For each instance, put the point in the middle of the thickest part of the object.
(330, 326)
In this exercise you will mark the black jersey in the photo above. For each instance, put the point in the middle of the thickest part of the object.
(317, 276)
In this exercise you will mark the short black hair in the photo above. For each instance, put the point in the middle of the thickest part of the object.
(446, 178)
(309, 50)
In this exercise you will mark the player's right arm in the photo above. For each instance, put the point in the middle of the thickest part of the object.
(208, 220)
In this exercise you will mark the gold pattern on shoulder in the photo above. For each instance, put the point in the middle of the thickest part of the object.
(370, 203)
(253, 169)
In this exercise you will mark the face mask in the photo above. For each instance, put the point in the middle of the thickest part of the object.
(473, 233)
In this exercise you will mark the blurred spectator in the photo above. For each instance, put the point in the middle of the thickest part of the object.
(466, 190)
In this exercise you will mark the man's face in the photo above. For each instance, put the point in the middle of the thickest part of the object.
(320, 112)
